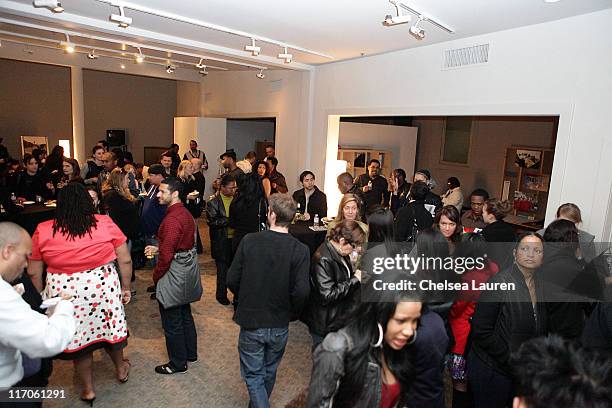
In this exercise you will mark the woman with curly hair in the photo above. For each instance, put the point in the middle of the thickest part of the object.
(264, 173)
(80, 249)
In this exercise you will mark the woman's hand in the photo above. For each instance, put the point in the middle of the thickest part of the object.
(358, 274)
(126, 296)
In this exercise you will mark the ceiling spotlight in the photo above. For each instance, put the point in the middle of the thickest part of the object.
(122, 66)
(399, 18)
(53, 5)
(417, 31)
(200, 65)
(92, 55)
(67, 45)
(203, 71)
(261, 75)
(285, 55)
(170, 68)
(139, 57)
(253, 49)
(121, 18)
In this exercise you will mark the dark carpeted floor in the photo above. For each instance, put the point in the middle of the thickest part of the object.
(213, 381)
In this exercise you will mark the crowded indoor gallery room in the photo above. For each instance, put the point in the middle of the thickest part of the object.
(371, 204)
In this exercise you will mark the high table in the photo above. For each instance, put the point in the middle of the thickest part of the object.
(312, 239)
(32, 215)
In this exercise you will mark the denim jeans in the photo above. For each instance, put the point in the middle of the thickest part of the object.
(180, 333)
(261, 351)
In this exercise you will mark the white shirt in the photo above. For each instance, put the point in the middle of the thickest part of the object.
(453, 197)
(24, 330)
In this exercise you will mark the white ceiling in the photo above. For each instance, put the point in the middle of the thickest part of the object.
(342, 29)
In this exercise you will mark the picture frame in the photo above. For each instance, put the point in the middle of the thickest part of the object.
(29, 143)
(457, 141)
(528, 159)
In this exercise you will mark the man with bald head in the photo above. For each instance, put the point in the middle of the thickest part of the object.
(22, 330)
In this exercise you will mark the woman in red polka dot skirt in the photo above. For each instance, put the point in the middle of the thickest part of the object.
(81, 250)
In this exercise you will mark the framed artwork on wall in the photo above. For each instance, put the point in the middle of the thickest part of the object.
(456, 141)
(29, 143)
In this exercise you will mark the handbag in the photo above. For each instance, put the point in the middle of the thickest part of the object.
(181, 285)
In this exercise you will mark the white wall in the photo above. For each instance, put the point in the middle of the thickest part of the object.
(210, 135)
(242, 135)
(544, 69)
(400, 140)
(283, 95)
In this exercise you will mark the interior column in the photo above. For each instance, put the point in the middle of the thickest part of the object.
(78, 115)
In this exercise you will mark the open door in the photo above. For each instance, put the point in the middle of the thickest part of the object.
(210, 133)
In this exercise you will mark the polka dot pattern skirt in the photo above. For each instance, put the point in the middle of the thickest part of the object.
(98, 309)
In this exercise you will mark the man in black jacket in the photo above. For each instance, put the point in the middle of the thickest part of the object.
(270, 273)
(310, 199)
(433, 202)
(399, 189)
(414, 217)
(373, 186)
(217, 216)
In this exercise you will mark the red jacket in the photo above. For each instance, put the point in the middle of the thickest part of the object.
(463, 308)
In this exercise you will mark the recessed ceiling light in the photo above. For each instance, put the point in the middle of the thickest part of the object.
(122, 66)
(551, 1)
(261, 74)
(92, 55)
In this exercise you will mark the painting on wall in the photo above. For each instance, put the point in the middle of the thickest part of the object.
(528, 159)
(29, 143)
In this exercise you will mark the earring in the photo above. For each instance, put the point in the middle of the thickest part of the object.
(413, 339)
(380, 337)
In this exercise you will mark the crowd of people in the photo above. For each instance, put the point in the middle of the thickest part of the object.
(547, 342)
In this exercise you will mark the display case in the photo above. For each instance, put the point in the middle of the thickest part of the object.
(526, 182)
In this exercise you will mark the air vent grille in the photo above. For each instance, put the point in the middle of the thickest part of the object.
(461, 57)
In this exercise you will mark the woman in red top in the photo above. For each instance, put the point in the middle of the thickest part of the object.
(80, 248)
(473, 246)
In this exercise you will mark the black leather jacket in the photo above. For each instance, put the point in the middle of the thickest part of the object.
(332, 289)
(217, 227)
(328, 371)
(504, 320)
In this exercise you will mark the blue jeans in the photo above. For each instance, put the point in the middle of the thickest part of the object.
(181, 335)
(261, 351)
